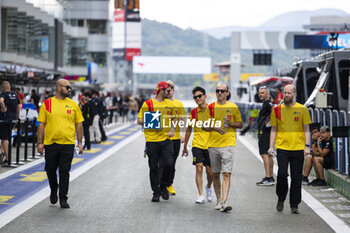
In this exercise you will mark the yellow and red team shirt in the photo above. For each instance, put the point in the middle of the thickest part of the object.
(219, 112)
(179, 112)
(166, 108)
(201, 137)
(60, 117)
(290, 123)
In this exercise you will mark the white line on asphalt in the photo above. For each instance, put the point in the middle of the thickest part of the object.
(331, 219)
(38, 161)
(25, 205)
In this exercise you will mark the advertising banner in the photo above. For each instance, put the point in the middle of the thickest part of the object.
(172, 65)
(321, 41)
(130, 53)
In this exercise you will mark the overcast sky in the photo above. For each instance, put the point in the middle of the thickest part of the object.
(204, 14)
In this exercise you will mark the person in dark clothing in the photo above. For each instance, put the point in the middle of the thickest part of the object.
(100, 106)
(9, 106)
(88, 110)
(324, 158)
(264, 129)
(34, 98)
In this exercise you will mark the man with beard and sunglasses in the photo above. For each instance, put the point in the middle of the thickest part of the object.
(291, 134)
(159, 147)
(59, 118)
(222, 147)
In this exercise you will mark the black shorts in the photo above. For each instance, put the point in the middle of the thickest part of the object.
(4, 131)
(264, 142)
(327, 162)
(200, 156)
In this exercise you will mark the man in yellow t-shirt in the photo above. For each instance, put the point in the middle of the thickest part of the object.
(59, 119)
(180, 116)
(156, 117)
(221, 147)
(290, 132)
(200, 143)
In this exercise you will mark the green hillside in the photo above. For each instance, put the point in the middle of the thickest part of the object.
(163, 39)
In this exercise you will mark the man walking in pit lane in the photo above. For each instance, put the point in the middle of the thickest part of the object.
(178, 138)
(200, 144)
(290, 129)
(222, 147)
(158, 112)
(264, 129)
(58, 142)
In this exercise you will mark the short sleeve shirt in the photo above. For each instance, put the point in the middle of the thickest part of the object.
(11, 100)
(328, 144)
(166, 109)
(60, 117)
(218, 113)
(201, 137)
(290, 123)
(179, 112)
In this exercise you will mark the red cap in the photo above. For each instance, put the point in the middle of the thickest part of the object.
(161, 85)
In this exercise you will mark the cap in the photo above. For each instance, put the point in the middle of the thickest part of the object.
(325, 129)
(161, 85)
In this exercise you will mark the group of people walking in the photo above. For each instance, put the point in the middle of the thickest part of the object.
(213, 146)
(283, 132)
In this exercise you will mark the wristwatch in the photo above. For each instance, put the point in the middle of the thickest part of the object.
(307, 145)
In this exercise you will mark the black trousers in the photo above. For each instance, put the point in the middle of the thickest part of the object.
(59, 156)
(296, 161)
(160, 159)
(171, 171)
(86, 127)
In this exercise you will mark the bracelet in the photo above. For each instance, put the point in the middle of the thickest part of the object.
(39, 143)
(79, 143)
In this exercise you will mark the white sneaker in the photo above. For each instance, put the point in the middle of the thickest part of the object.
(209, 193)
(218, 205)
(225, 208)
(200, 200)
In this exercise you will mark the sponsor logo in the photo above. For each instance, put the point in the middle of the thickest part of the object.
(151, 120)
(69, 111)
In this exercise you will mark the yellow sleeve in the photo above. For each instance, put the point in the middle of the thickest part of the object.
(42, 114)
(79, 116)
(236, 115)
(182, 110)
(143, 109)
(306, 117)
(273, 120)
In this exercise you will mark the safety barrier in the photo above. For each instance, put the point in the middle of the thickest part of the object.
(334, 119)
(26, 129)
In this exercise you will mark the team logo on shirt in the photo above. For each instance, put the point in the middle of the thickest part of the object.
(69, 112)
(151, 120)
(296, 118)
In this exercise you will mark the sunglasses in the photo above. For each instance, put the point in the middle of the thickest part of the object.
(197, 96)
(68, 87)
(222, 91)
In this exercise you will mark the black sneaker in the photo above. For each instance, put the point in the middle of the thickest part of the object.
(155, 197)
(280, 206)
(320, 183)
(305, 180)
(313, 182)
(64, 204)
(165, 194)
(53, 198)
